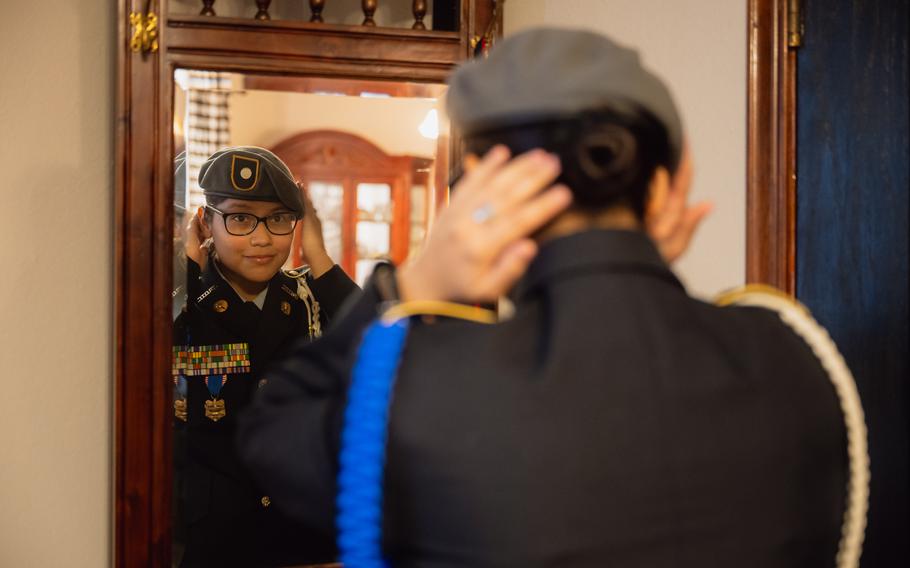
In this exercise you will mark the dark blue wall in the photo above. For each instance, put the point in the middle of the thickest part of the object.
(852, 229)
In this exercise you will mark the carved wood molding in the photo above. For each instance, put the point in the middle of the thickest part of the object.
(771, 148)
(326, 49)
(336, 149)
(349, 159)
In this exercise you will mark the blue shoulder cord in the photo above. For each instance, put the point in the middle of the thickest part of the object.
(363, 445)
(365, 432)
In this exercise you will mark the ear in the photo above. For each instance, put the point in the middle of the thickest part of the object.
(658, 190)
(206, 228)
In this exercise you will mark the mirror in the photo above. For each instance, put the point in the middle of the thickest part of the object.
(373, 158)
(373, 155)
(368, 213)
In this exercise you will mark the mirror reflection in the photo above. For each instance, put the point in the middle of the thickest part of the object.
(287, 191)
(373, 155)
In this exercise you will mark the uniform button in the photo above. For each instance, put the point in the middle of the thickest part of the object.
(262, 382)
(265, 501)
(220, 306)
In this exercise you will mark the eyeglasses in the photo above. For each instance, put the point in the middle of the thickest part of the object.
(240, 224)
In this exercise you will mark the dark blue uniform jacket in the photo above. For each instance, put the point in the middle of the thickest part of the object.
(613, 421)
(223, 517)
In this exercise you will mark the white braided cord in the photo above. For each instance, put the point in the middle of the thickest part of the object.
(798, 318)
(312, 306)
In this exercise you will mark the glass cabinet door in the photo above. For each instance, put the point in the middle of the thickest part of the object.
(373, 229)
(328, 199)
(365, 221)
(418, 222)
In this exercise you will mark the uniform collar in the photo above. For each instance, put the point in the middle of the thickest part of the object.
(223, 304)
(595, 251)
(259, 300)
(266, 326)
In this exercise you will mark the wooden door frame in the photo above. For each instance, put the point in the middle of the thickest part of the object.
(771, 147)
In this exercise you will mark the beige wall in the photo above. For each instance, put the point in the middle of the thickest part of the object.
(56, 72)
(699, 47)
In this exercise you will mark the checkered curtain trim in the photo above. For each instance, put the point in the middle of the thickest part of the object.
(207, 125)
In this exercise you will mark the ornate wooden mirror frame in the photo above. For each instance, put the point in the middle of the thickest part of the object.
(151, 45)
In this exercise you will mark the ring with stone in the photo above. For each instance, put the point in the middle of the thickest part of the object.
(482, 214)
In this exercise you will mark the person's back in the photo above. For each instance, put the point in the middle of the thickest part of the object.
(613, 421)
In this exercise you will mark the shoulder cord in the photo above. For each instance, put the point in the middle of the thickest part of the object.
(798, 318)
(304, 293)
(365, 431)
(312, 306)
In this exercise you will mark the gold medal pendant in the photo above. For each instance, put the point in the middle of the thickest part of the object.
(180, 409)
(214, 409)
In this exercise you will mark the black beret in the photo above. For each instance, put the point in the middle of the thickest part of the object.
(251, 173)
(549, 73)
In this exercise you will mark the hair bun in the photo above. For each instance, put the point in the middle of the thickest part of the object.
(608, 154)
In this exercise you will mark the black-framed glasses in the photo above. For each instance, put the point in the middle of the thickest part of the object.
(240, 224)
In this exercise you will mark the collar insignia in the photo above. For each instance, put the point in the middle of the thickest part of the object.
(205, 294)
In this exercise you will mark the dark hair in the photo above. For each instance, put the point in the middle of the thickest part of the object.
(608, 155)
(212, 201)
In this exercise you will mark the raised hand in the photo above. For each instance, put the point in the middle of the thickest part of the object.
(480, 244)
(196, 241)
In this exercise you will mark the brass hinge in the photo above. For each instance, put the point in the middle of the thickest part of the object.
(481, 44)
(145, 32)
(795, 27)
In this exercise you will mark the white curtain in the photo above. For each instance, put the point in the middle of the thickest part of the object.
(207, 124)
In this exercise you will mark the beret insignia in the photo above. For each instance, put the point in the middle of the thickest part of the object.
(244, 173)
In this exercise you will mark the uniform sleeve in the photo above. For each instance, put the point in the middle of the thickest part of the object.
(289, 436)
(331, 290)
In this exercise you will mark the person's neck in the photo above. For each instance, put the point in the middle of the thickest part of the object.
(576, 221)
(246, 289)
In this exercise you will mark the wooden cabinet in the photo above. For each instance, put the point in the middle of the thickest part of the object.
(364, 197)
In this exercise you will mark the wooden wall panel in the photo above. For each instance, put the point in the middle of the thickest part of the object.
(853, 235)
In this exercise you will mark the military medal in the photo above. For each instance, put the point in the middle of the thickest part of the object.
(178, 365)
(214, 408)
(180, 400)
(180, 409)
(213, 363)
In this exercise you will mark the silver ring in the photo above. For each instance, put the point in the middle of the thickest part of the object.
(482, 214)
